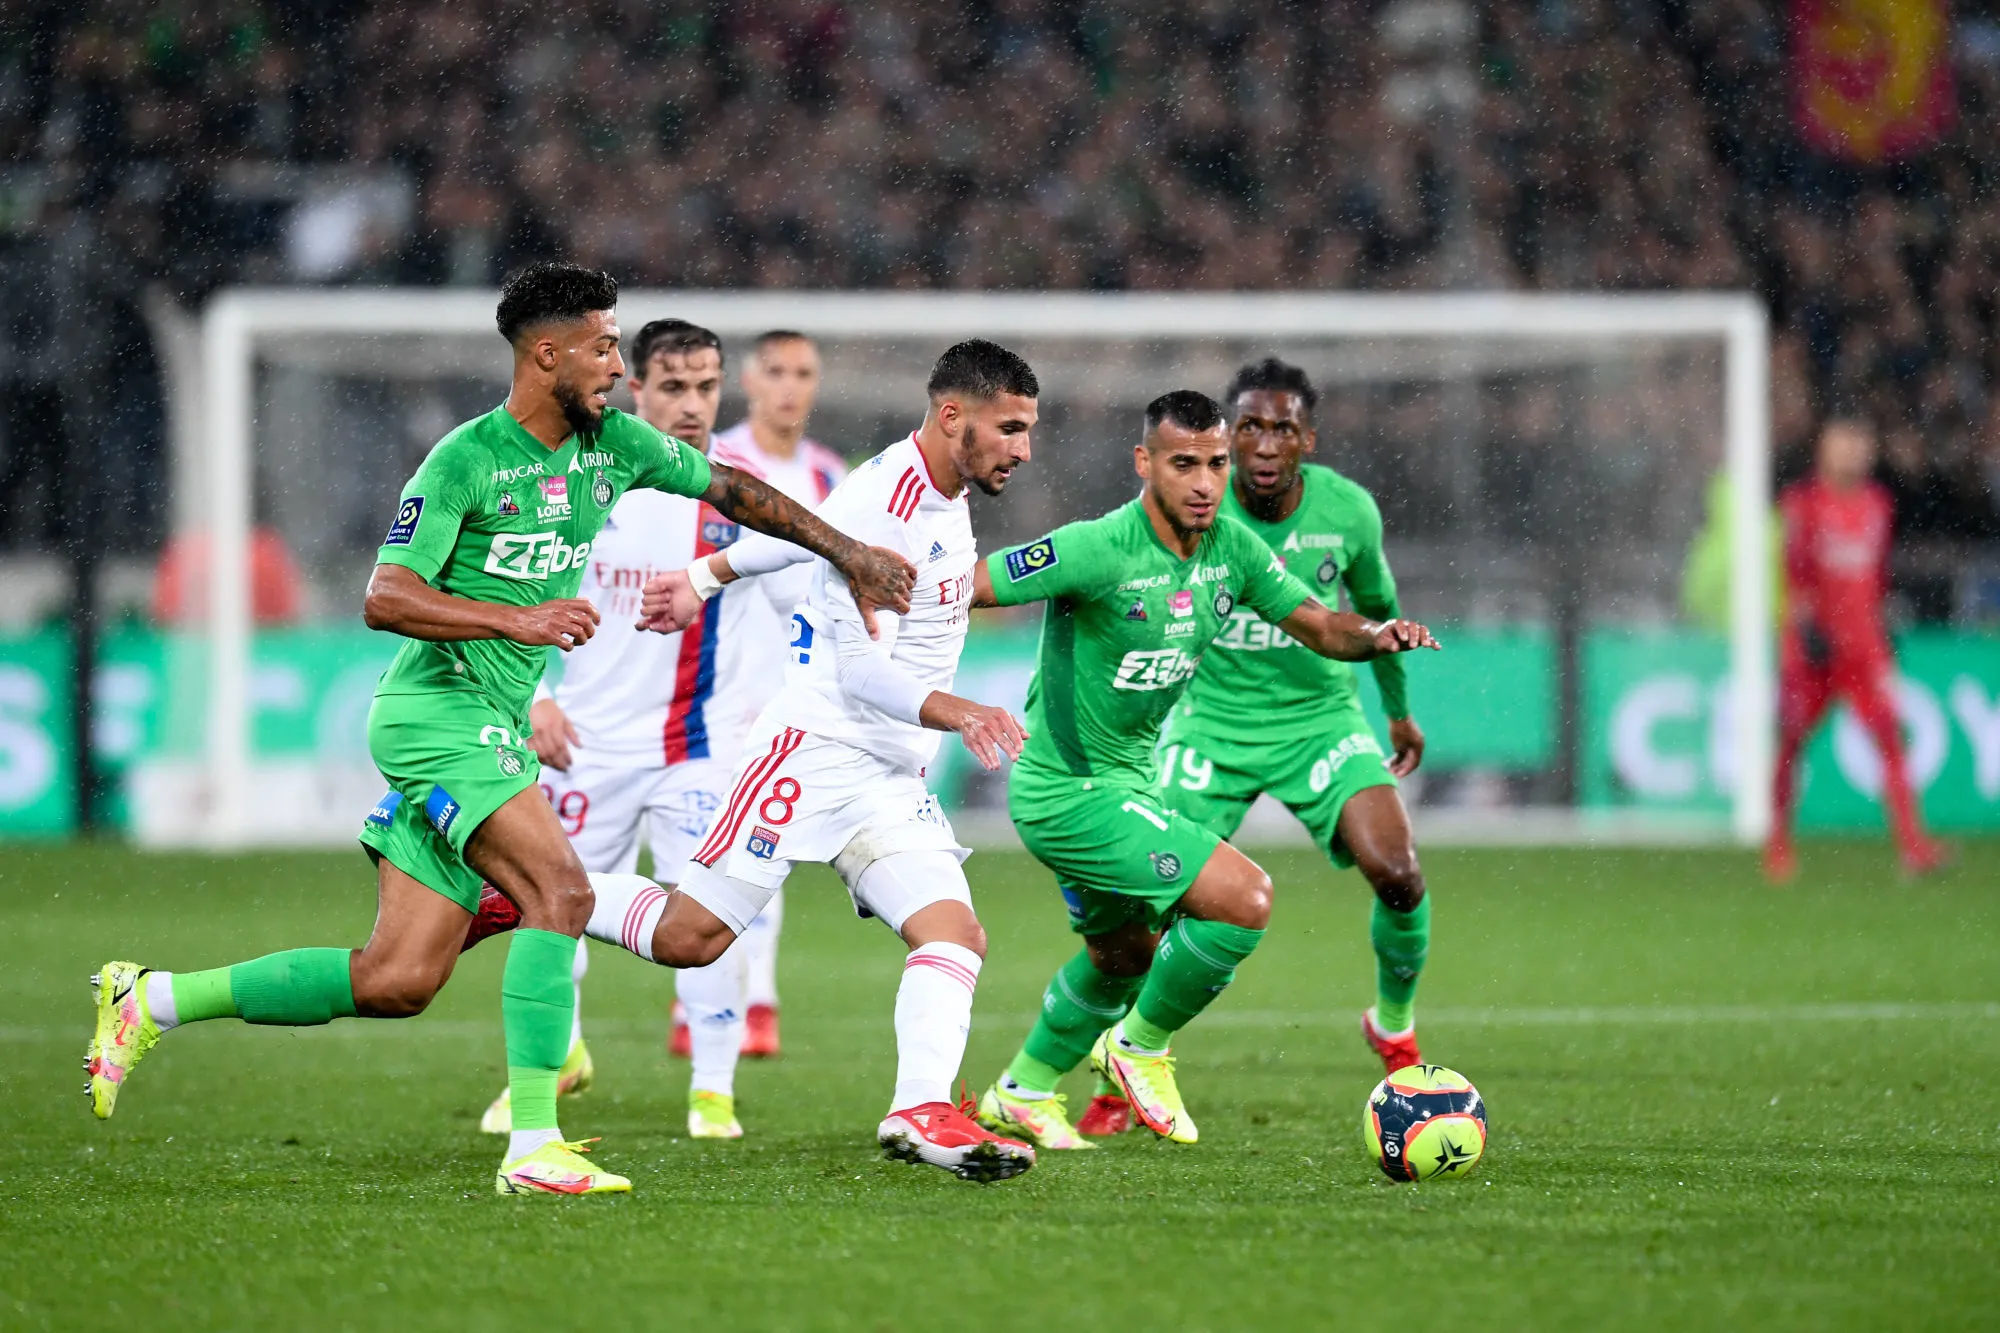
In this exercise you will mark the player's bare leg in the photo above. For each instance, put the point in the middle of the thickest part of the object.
(1375, 828)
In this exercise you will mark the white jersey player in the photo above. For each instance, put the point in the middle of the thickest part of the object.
(780, 383)
(834, 769)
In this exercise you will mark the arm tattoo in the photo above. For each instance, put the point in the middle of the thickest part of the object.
(754, 504)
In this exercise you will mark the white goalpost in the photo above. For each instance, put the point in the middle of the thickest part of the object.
(225, 800)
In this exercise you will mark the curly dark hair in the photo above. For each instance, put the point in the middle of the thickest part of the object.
(1271, 373)
(548, 290)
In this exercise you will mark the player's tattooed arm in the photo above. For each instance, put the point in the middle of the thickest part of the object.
(876, 573)
(1346, 637)
(399, 601)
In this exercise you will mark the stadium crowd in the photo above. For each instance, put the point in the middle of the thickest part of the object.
(1142, 144)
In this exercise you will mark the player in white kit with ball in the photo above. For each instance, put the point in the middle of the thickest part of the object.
(834, 769)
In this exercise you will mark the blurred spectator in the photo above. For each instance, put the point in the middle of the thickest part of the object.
(180, 581)
(1208, 144)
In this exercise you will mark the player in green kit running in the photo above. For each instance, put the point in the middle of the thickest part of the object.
(1166, 908)
(1264, 714)
(479, 572)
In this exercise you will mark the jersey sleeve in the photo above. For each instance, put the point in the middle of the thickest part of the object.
(432, 509)
(1267, 587)
(1053, 566)
(1372, 588)
(757, 553)
(667, 464)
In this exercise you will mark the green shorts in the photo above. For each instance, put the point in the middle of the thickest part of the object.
(452, 759)
(1212, 773)
(1117, 853)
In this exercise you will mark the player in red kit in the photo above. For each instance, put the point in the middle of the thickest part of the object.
(1838, 524)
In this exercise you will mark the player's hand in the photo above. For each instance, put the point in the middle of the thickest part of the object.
(1402, 636)
(988, 732)
(668, 603)
(879, 577)
(550, 734)
(1406, 739)
(563, 623)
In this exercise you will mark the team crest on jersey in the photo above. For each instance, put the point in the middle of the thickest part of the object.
(1031, 559)
(506, 506)
(1181, 604)
(1166, 865)
(511, 765)
(408, 514)
(1136, 611)
(1329, 569)
(1225, 602)
(719, 533)
(763, 843)
(600, 490)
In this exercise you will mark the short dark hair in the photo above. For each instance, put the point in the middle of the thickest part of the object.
(769, 336)
(1185, 408)
(1272, 374)
(551, 289)
(669, 337)
(982, 369)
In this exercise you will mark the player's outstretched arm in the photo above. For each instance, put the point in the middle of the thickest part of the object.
(1346, 637)
(399, 601)
(876, 573)
(987, 731)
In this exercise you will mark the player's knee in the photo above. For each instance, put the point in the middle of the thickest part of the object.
(1252, 899)
(682, 943)
(1397, 879)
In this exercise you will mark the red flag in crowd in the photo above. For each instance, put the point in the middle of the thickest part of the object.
(1872, 78)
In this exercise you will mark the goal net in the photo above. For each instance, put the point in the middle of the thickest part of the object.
(1575, 492)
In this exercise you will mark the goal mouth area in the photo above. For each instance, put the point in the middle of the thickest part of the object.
(1098, 355)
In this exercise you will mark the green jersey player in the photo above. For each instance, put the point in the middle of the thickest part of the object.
(1265, 715)
(479, 572)
(1166, 908)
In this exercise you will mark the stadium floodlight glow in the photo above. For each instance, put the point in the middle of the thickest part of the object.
(240, 323)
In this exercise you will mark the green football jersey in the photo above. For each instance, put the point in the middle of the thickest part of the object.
(1257, 676)
(1127, 623)
(494, 515)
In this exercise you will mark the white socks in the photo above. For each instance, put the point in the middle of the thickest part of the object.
(712, 997)
(524, 1141)
(760, 953)
(160, 1000)
(933, 1018)
(628, 909)
(576, 971)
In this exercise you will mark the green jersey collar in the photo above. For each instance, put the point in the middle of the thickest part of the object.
(518, 433)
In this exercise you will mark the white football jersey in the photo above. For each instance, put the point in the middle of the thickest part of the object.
(891, 501)
(641, 699)
(751, 673)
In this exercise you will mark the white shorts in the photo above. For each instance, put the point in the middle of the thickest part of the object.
(798, 798)
(602, 805)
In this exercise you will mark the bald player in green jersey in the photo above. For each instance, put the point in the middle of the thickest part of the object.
(479, 573)
(1166, 908)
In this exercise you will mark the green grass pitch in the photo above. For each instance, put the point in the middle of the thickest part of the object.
(1711, 1104)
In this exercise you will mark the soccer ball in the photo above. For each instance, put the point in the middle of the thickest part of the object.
(1424, 1122)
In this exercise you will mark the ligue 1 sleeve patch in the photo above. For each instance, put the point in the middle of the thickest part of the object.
(405, 526)
(1031, 559)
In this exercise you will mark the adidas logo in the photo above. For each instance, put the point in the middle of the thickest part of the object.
(937, 551)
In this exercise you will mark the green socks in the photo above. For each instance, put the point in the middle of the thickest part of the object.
(298, 988)
(1080, 1003)
(1196, 960)
(1401, 940)
(536, 1003)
